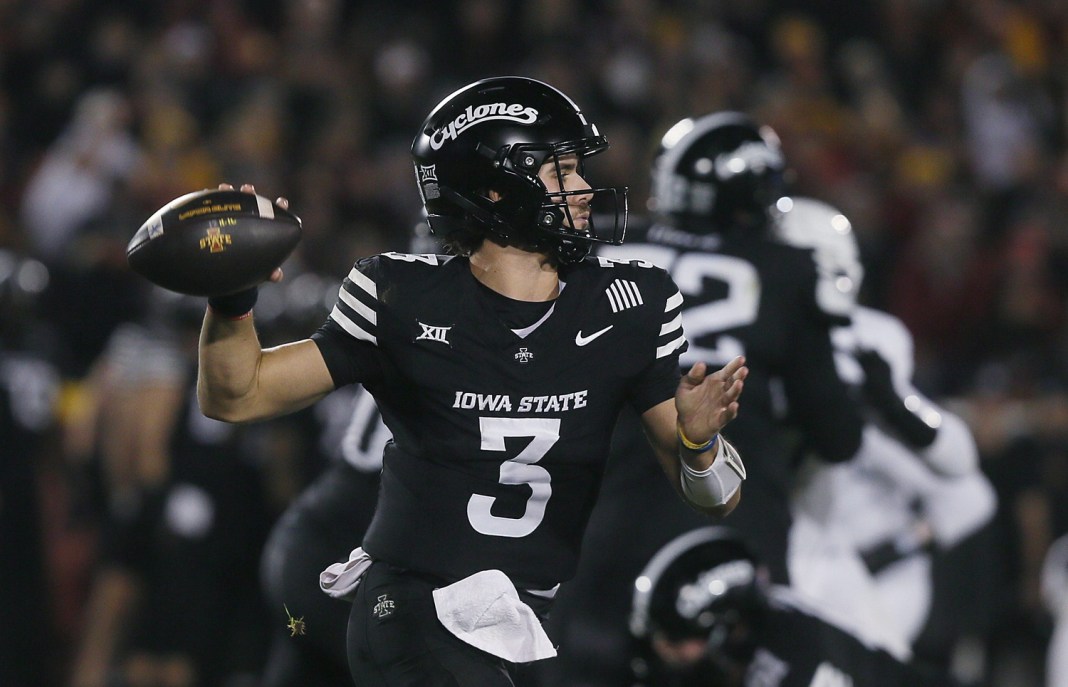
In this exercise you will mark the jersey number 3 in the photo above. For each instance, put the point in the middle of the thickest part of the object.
(543, 433)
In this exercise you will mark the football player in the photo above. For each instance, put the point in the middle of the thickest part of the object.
(500, 371)
(865, 531)
(715, 180)
(704, 614)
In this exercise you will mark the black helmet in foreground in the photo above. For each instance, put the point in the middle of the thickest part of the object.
(494, 135)
(705, 584)
(717, 173)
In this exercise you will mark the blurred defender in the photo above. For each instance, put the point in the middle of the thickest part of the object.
(715, 180)
(866, 532)
(704, 614)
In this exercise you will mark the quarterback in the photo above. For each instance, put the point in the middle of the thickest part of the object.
(500, 369)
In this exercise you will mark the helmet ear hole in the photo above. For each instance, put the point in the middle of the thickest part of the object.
(550, 218)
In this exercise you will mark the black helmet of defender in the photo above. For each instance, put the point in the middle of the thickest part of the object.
(704, 584)
(717, 173)
(494, 135)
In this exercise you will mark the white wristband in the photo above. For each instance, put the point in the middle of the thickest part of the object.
(716, 484)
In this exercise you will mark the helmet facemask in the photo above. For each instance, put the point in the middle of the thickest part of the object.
(527, 213)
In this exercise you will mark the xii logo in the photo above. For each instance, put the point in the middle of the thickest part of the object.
(433, 333)
(428, 173)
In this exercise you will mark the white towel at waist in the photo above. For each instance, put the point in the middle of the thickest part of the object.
(340, 580)
(485, 611)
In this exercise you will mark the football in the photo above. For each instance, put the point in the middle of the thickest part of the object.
(213, 243)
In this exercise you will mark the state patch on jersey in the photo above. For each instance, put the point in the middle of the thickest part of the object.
(524, 356)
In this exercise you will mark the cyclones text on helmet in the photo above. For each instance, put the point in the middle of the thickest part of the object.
(716, 173)
(495, 134)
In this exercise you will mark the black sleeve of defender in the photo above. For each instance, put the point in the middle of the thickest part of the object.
(820, 401)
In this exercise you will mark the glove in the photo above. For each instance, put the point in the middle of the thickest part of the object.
(879, 392)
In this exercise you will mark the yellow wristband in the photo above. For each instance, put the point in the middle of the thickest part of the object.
(699, 448)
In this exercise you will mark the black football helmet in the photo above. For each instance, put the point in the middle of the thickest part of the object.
(717, 173)
(704, 584)
(495, 134)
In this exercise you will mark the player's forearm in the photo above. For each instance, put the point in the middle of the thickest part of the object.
(229, 358)
(671, 463)
(716, 487)
(661, 429)
(239, 382)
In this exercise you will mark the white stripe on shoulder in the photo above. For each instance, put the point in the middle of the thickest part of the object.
(364, 311)
(671, 326)
(668, 348)
(359, 279)
(351, 327)
(673, 302)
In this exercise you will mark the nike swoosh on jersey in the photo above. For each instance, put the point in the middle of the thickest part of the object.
(581, 340)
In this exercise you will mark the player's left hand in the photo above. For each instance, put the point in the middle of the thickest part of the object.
(706, 402)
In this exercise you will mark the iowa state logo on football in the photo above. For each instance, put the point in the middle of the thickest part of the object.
(215, 241)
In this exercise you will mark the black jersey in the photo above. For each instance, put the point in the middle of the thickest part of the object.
(500, 435)
(747, 294)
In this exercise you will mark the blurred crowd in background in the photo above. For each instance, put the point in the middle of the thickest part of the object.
(940, 128)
